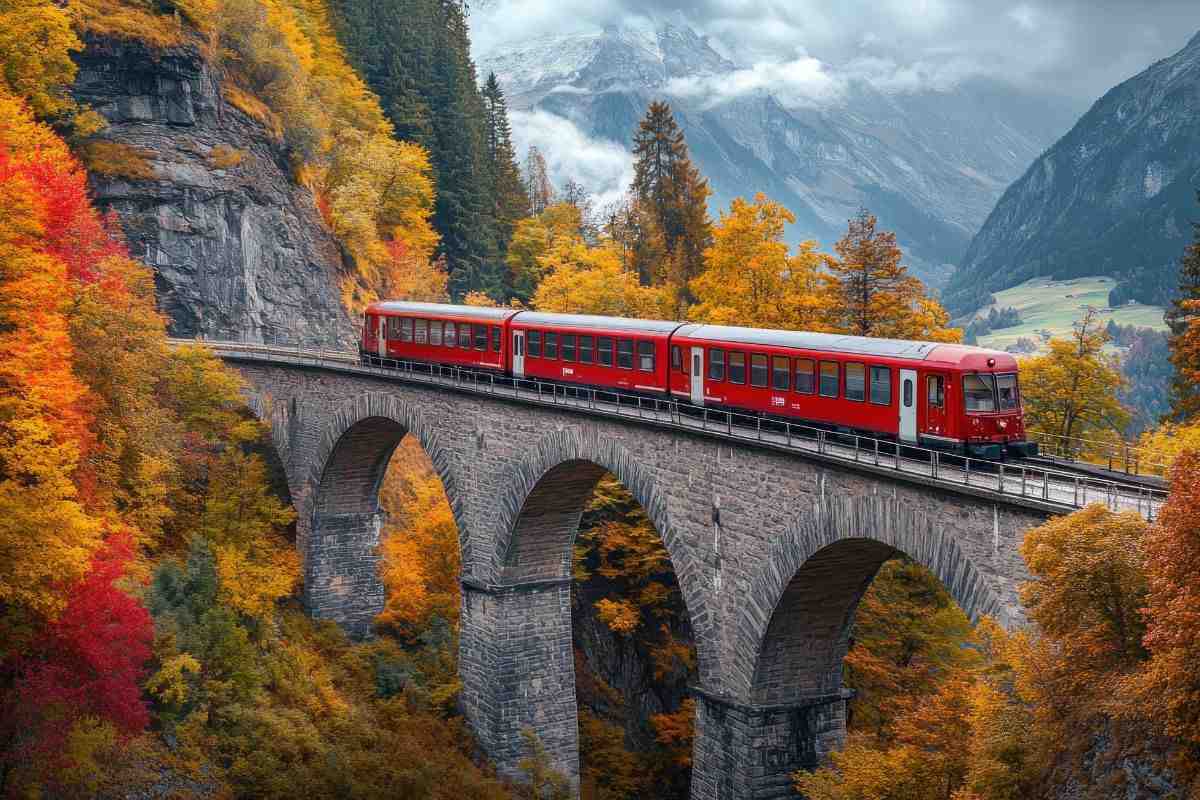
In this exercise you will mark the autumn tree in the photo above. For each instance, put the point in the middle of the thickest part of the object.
(536, 175)
(84, 669)
(670, 200)
(533, 238)
(873, 293)
(1071, 391)
(1183, 318)
(1171, 682)
(36, 42)
(1086, 599)
(750, 278)
(589, 280)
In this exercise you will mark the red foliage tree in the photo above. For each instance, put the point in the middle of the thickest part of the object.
(90, 662)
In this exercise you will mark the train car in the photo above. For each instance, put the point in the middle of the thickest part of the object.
(465, 336)
(607, 352)
(952, 397)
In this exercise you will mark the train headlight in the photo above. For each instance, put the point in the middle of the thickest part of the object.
(1002, 425)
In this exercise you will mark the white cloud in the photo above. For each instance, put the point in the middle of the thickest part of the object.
(603, 167)
(799, 81)
(1078, 48)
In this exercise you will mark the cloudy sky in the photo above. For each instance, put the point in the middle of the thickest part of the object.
(1078, 48)
(806, 51)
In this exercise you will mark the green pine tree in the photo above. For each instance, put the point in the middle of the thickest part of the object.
(670, 218)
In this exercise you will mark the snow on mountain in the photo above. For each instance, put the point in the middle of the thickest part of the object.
(930, 164)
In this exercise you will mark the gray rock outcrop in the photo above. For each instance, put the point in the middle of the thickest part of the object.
(238, 249)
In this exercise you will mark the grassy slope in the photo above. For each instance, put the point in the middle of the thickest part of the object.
(1049, 305)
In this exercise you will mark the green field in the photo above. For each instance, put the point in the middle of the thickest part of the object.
(1051, 307)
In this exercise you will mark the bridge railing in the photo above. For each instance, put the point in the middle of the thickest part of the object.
(1120, 456)
(1046, 486)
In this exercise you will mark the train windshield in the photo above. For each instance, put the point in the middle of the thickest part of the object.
(980, 392)
(1006, 390)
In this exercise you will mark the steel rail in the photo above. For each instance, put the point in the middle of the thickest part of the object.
(1049, 490)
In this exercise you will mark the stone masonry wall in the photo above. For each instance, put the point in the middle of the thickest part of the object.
(772, 553)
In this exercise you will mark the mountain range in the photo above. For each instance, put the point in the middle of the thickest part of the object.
(931, 163)
(1115, 196)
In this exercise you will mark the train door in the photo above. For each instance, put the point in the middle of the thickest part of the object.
(908, 405)
(518, 354)
(698, 376)
(935, 405)
(381, 335)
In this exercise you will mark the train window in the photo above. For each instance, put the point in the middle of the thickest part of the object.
(677, 358)
(625, 353)
(979, 393)
(646, 356)
(604, 346)
(737, 367)
(451, 335)
(805, 381)
(406, 330)
(480, 334)
(464, 335)
(435, 332)
(781, 378)
(716, 364)
(1006, 388)
(908, 392)
(533, 343)
(551, 345)
(421, 331)
(568, 347)
(881, 387)
(829, 379)
(585, 349)
(935, 391)
(496, 341)
(758, 370)
(392, 329)
(856, 381)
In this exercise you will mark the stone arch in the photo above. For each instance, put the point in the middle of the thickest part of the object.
(793, 630)
(392, 417)
(539, 515)
(341, 516)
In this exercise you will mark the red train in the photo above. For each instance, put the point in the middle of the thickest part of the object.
(945, 396)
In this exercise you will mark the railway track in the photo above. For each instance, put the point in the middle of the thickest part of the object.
(1057, 489)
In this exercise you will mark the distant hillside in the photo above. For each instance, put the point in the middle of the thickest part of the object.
(1115, 196)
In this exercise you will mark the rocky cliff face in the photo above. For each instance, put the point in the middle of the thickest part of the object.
(1115, 196)
(237, 248)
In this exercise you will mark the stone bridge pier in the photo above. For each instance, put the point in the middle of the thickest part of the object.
(772, 552)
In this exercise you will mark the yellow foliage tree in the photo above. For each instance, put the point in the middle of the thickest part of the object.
(875, 295)
(420, 552)
(590, 280)
(36, 42)
(1071, 391)
(533, 237)
(750, 278)
(243, 519)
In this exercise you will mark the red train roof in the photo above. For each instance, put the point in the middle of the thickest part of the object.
(958, 355)
(484, 313)
(596, 321)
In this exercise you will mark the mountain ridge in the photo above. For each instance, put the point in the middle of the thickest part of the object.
(1114, 196)
(929, 164)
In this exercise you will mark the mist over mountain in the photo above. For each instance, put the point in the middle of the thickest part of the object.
(1115, 196)
(930, 158)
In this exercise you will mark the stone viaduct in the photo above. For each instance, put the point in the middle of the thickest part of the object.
(772, 551)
